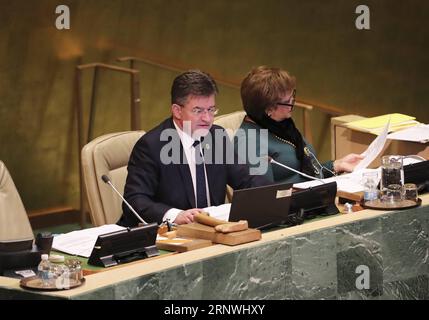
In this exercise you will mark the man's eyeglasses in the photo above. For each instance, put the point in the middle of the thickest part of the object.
(197, 111)
(290, 103)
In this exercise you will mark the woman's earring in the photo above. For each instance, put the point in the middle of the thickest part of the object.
(269, 114)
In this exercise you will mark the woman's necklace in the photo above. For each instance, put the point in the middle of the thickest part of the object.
(284, 140)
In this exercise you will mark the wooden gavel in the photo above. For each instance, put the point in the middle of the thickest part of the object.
(221, 225)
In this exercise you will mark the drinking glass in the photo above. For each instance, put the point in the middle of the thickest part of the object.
(410, 192)
(394, 193)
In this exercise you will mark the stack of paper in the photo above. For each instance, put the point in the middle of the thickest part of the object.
(350, 182)
(376, 125)
(419, 133)
(81, 242)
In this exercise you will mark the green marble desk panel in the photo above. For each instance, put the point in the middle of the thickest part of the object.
(317, 260)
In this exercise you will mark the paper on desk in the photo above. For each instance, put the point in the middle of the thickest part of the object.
(353, 182)
(406, 160)
(345, 182)
(374, 149)
(219, 212)
(350, 182)
(419, 133)
(82, 242)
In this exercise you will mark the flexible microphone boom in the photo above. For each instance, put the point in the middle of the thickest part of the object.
(296, 171)
(107, 180)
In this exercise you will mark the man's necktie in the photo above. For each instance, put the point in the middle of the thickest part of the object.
(200, 177)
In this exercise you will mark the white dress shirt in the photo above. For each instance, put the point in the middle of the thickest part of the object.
(187, 143)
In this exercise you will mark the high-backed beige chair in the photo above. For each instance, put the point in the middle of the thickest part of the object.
(109, 155)
(14, 223)
(231, 122)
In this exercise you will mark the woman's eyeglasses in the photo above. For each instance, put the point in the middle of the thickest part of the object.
(290, 103)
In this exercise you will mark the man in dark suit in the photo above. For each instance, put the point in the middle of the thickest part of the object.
(181, 166)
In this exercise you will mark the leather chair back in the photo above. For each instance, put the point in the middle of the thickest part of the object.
(14, 223)
(231, 122)
(109, 155)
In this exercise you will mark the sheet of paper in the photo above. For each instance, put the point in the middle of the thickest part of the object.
(419, 133)
(345, 182)
(82, 242)
(26, 273)
(373, 150)
(412, 159)
(351, 182)
(219, 212)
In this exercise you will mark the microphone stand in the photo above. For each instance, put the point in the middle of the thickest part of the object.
(296, 171)
(107, 180)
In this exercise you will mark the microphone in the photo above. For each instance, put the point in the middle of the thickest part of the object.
(107, 180)
(296, 171)
(314, 162)
(310, 154)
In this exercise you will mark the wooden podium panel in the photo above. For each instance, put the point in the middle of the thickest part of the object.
(346, 140)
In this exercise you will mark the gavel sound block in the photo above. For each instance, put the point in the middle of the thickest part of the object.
(219, 231)
(179, 245)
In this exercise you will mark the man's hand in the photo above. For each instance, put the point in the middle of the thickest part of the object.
(348, 163)
(186, 216)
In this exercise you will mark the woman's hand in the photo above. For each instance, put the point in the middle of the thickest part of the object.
(348, 163)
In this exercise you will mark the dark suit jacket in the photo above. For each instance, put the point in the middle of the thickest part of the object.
(152, 188)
